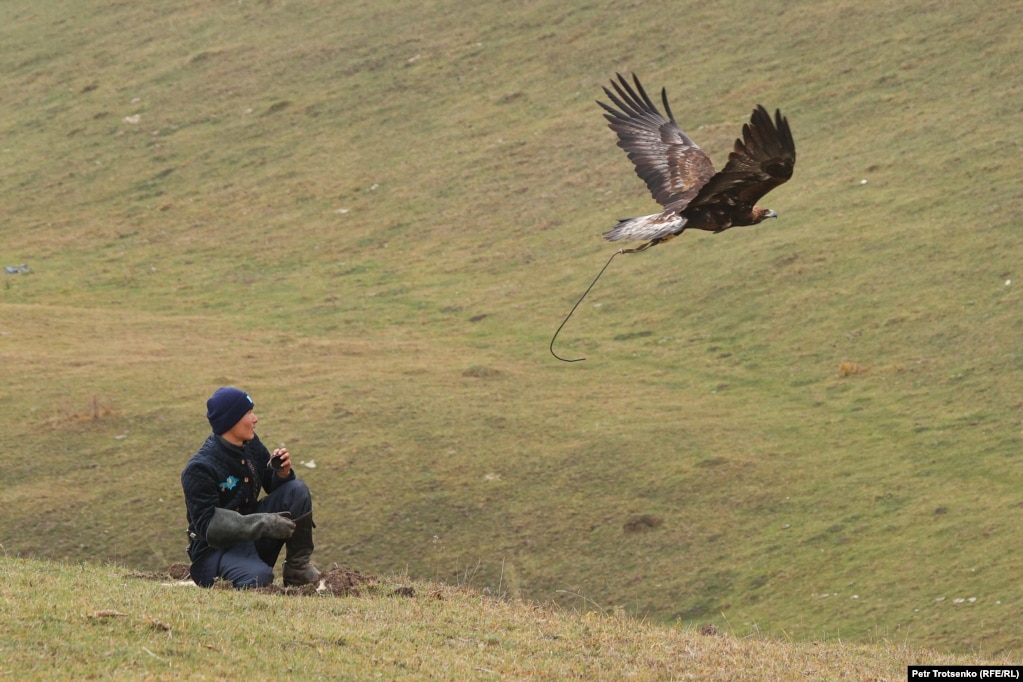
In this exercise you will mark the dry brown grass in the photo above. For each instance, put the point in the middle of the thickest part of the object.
(850, 369)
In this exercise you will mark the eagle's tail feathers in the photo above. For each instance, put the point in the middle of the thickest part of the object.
(647, 227)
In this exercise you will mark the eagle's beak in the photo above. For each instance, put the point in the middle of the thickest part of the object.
(770, 214)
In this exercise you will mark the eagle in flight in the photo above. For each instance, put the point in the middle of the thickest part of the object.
(681, 177)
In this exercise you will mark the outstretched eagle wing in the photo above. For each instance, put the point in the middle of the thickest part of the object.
(760, 161)
(673, 167)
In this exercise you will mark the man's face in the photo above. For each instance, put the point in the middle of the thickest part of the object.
(244, 430)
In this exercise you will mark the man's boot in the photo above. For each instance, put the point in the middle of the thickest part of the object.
(297, 567)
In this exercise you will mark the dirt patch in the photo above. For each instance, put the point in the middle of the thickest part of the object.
(642, 522)
(337, 582)
(343, 581)
(178, 571)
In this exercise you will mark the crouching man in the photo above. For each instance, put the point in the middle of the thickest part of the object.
(232, 533)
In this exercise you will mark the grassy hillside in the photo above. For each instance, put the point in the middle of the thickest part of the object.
(81, 621)
(373, 217)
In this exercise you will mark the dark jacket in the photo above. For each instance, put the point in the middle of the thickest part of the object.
(224, 475)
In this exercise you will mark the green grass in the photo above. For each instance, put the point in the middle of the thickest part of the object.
(373, 218)
(86, 621)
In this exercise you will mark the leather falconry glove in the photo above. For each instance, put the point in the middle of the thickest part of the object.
(229, 527)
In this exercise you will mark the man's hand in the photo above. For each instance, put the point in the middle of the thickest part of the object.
(285, 457)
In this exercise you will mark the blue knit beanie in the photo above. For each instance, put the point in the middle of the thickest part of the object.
(226, 407)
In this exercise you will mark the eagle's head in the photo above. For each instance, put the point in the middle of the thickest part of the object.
(760, 214)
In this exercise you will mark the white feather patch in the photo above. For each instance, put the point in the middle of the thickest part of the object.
(646, 227)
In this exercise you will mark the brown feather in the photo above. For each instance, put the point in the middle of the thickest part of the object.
(666, 159)
(759, 162)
